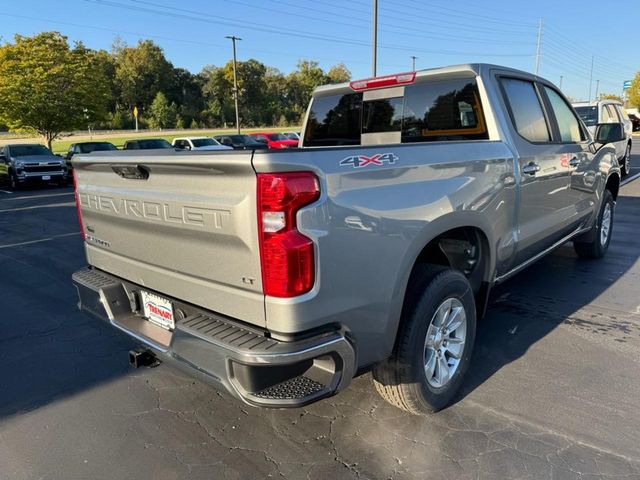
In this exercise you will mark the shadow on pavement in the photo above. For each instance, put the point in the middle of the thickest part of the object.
(530, 305)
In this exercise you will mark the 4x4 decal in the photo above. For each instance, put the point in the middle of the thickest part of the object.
(360, 161)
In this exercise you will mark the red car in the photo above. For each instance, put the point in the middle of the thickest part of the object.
(274, 140)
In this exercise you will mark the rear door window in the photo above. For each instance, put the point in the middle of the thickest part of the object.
(609, 114)
(526, 110)
(568, 124)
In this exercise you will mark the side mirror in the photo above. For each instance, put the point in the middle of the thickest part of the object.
(609, 132)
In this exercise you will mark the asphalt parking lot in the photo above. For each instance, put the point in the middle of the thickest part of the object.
(553, 392)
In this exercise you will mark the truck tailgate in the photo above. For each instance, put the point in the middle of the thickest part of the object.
(188, 230)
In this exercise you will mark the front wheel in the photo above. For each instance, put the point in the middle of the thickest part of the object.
(600, 237)
(13, 182)
(434, 343)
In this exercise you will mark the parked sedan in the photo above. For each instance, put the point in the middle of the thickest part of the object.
(635, 121)
(32, 163)
(88, 147)
(274, 140)
(241, 142)
(147, 144)
(198, 143)
(292, 135)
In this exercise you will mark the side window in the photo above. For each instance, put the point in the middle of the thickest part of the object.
(440, 111)
(526, 110)
(568, 123)
(622, 114)
(609, 115)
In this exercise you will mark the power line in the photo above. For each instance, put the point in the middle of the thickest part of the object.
(279, 53)
(193, 15)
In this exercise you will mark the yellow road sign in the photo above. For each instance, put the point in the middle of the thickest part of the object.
(135, 112)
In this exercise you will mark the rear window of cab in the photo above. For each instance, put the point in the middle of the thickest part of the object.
(446, 110)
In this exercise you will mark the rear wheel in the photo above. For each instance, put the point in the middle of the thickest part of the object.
(625, 162)
(600, 237)
(434, 344)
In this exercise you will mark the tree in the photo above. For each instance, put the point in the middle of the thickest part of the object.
(610, 96)
(634, 92)
(141, 72)
(162, 114)
(47, 87)
(300, 86)
(339, 73)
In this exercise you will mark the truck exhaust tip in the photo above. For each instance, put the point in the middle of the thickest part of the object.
(142, 357)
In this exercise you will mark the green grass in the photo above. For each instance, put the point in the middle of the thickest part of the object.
(61, 146)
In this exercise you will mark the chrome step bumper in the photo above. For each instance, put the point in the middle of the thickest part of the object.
(241, 359)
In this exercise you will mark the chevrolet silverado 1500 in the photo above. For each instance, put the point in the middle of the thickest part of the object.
(278, 276)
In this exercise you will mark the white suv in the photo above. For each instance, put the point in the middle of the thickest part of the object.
(199, 143)
(609, 111)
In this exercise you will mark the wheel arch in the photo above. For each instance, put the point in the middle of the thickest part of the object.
(462, 225)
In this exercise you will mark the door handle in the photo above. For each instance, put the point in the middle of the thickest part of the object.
(574, 162)
(531, 168)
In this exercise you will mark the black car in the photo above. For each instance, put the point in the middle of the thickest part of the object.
(241, 142)
(635, 121)
(147, 144)
(88, 147)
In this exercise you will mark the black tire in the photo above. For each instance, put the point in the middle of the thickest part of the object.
(13, 182)
(596, 246)
(625, 161)
(401, 380)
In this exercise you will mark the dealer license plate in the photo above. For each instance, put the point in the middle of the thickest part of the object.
(158, 310)
(46, 177)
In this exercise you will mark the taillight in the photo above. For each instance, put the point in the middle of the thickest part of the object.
(381, 82)
(286, 255)
(75, 193)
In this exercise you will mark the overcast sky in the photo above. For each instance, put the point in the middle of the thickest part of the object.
(280, 32)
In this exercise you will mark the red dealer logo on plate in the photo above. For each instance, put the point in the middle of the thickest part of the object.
(361, 161)
(159, 310)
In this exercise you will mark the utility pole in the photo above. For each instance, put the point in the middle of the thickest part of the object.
(597, 88)
(413, 58)
(538, 47)
(374, 59)
(233, 39)
(561, 77)
(591, 76)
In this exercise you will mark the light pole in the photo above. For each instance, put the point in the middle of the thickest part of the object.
(233, 39)
(597, 88)
(374, 58)
(561, 77)
(538, 42)
(413, 59)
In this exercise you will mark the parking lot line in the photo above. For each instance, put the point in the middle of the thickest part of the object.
(39, 240)
(630, 179)
(35, 207)
(4, 191)
(38, 196)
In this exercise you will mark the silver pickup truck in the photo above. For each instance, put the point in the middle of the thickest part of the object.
(278, 276)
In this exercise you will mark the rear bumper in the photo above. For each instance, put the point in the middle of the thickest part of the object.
(228, 354)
